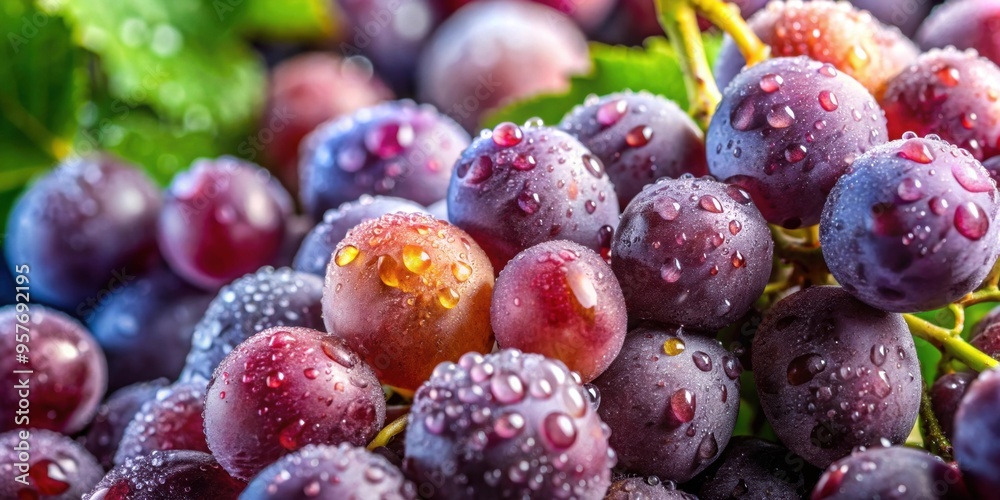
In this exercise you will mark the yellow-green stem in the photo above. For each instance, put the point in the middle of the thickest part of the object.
(389, 431)
(951, 339)
(726, 17)
(680, 22)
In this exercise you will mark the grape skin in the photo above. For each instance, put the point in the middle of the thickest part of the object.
(833, 373)
(791, 125)
(59, 468)
(690, 241)
(113, 417)
(168, 475)
(506, 425)
(976, 434)
(516, 187)
(639, 137)
(891, 473)
(985, 336)
(646, 488)
(754, 468)
(284, 388)
(946, 395)
(671, 399)
(910, 228)
(171, 420)
(963, 25)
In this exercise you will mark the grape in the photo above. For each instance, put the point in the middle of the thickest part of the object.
(39, 464)
(517, 187)
(252, 304)
(439, 209)
(694, 252)
(670, 398)
(395, 149)
(909, 228)
(406, 292)
(113, 417)
(145, 328)
(168, 475)
(791, 125)
(507, 425)
(986, 334)
(977, 424)
(890, 473)
(391, 33)
(171, 420)
(963, 25)
(315, 252)
(297, 227)
(304, 92)
(561, 300)
(491, 53)
(992, 165)
(946, 394)
(639, 137)
(829, 32)
(88, 225)
(636, 20)
(833, 373)
(648, 488)
(284, 388)
(963, 109)
(221, 219)
(68, 373)
(907, 15)
(754, 468)
(323, 471)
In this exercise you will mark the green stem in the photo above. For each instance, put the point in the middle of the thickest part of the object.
(389, 431)
(934, 438)
(951, 339)
(727, 18)
(681, 24)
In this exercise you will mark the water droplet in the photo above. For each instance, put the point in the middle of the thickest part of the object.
(529, 202)
(289, 436)
(435, 422)
(803, 368)
(738, 194)
(509, 425)
(738, 260)
(828, 100)
(710, 203)
(639, 136)
(338, 354)
(949, 76)
(771, 82)
(275, 379)
(416, 259)
(916, 150)
(971, 221)
(388, 271)
(310, 373)
(681, 408)
(742, 116)
(971, 178)
(781, 117)
(346, 255)
(708, 448)
(448, 297)
(878, 354)
(389, 139)
(671, 271)
(732, 367)
(828, 70)
(673, 346)
(610, 112)
(795, 153)
(938, 205)
(702, 361)
(524, 162)
(582, 287)
(461, 271)
(593, 165)
(507, 388)
(909, 189)
(668, 208)
(559, 429)
(735, 227)
(507, 134)
(590, 206)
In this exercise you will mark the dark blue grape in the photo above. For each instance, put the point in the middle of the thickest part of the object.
(168, 475)
(113, 417)
(145, 328)
(833, 374)
(911, 227)
(171, 420)
(318, 247)
(946, 394)
(671, 399)
(394, 149)
(890, 473)
(506, 425)
(249, 305)
(639, 137)
(791, 125)
(754, 468)
(330, 472)
(36, 464)
(646, 488)
(977, 434)
(516, 187)
(694, 252)
(86, 226)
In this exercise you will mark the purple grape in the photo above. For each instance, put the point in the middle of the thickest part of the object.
(396, 149)
(985, 335)
(907, 15)
(561, 300)
(964, 25)
(297, 227)
(890, 473)
(251, 304)
(113, 417)
(506, 425)
(331, 472)
(492, 53)
(948, 93)
(670, 398)
(909, 229)
(317, 249)
(833, 373)
(992, 166)
(171, 420)
(977, 432)
(37, 464)
(67, 374)
(222, 219)
(517, 187)
(145, 328)
(754, 468)
(646, 488)
(639, 137)
(285, 388)
(791, 125)
(87, 226)
(946, 395)
(168, 475)
(694, 252)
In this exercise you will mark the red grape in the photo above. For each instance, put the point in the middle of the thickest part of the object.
(891, 473)
(965, 24)
(168, 475)
(39, 464)
(113, 417)
(171, 420)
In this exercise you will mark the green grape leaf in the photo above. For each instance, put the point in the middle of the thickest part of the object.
(41, 74)
(181, 57)
(284, 19)
(615, 68)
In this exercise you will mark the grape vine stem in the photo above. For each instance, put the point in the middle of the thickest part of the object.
(934, 438)
(389, 431)
(951, 339)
